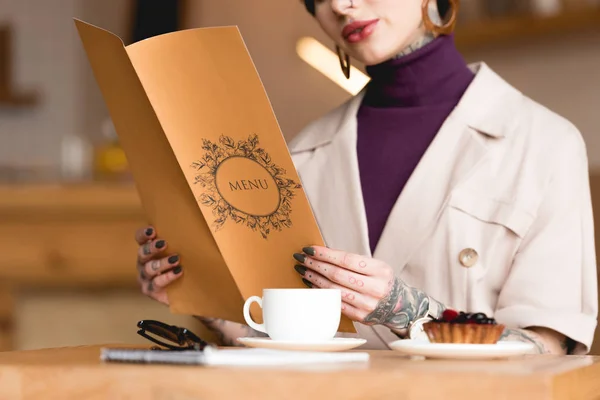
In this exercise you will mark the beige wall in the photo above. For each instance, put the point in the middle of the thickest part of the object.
(48, 58)
(563, 74)
(44, 60)
(115, 16)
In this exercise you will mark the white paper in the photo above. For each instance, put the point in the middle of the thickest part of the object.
(233, 357)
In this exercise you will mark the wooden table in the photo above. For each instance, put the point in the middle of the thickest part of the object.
(77, 373)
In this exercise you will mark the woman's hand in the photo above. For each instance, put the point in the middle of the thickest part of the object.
(156, 269)
(371, 293)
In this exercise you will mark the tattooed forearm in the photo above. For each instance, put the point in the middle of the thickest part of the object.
(545, 340)
(401, 306)
(217, 326)
(249, 332)
(228, 332)
(523, 335)
(405, 304)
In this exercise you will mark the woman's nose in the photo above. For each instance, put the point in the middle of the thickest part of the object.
(342, 7)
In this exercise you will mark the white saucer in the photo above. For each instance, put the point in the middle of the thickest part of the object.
(461, 351)
(336, 344)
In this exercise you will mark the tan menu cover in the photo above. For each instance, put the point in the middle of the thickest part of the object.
(209, 161)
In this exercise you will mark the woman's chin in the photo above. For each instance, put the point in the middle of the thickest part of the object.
(371, 54)
(373, 59)
(375, 50)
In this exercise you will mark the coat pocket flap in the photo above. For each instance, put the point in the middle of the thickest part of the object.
(487, 209)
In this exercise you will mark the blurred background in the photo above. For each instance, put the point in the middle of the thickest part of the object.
(68, 208)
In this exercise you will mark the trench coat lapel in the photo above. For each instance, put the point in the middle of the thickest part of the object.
(453, 154)
(480, 120)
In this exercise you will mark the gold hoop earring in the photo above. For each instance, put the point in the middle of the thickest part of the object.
(450, 23)
(344, 61)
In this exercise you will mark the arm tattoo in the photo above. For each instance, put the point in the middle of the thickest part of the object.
(522, 335)
(216, 326)
(249, 332)
(227, 332)
(564, 345)
(401, 306)
(405, 304)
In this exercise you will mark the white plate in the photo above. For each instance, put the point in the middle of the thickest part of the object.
(461, 351)
(336, 344)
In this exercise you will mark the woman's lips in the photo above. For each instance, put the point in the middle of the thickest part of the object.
(359, 30)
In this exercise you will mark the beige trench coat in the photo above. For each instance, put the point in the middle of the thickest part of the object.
(504, 177)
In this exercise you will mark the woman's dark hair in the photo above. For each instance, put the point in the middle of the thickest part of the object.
(310, 6)
(443, 6)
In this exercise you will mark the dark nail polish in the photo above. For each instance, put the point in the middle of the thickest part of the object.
(173, 259)
(307, 283)
(149, 232)
(300, 269)
(309, 250)
(160, 244)
(177, 270)
(300, 257)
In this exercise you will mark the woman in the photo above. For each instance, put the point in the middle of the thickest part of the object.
(495, 218)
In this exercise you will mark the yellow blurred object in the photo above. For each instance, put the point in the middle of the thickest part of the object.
(110, 162)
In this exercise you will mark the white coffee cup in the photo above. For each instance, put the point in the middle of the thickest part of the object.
(299, 315)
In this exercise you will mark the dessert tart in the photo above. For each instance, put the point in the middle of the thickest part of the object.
(455, 327)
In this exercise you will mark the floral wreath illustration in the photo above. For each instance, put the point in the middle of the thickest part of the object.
(207, 166)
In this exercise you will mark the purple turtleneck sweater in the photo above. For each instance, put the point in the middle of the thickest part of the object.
(405, 104)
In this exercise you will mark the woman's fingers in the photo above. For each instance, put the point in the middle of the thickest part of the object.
(349, 296)
(151, 249)
(157, 266)
(163, 280)
(156, 272)
(142, 235)
(346, 278)
(156, 287)
(352, 262)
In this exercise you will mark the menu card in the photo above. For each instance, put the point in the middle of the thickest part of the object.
(210, 164)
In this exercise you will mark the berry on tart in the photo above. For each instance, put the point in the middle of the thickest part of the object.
(461, 327)
(449, 315)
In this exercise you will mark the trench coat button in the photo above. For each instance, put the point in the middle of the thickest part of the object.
(468, 258)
